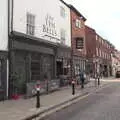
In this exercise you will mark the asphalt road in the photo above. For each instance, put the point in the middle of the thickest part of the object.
(102, 105)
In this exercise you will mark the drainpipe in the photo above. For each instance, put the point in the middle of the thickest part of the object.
(10, 29)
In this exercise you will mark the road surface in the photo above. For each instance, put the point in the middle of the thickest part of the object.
(101, 105)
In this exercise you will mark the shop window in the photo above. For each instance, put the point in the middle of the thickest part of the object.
(35, 67)
(30, 24)
(41, 67)
(47, 67)
(77, 69)
(79, 43)
(0, 73)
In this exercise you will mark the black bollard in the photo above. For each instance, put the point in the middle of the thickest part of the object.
(38, 95)
(47, 86)
(73, 87)
(98, 81)
(38, 99)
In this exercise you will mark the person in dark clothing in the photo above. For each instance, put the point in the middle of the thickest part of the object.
(98, 79)
(46, 81)
(82, 79)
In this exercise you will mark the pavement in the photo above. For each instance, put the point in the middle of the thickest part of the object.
(24, 109)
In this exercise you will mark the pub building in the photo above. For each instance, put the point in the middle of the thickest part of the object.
(39, 47)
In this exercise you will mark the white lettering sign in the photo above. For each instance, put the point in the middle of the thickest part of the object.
(49, 26)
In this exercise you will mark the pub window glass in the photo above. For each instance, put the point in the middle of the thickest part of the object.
(35, 67)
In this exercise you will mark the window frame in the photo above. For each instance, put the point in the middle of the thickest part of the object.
(63, 36)
(77, 41)
(30, 24)
(78, 23)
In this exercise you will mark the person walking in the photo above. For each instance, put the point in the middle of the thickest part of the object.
(98, 79)
(82, 79)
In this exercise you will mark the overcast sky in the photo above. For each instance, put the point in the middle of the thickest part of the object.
(103, 16)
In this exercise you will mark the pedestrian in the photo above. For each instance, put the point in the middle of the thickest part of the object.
(98, 78)
(82, 79)
(46, 82)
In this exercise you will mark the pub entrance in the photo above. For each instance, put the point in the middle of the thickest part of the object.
(59, 65)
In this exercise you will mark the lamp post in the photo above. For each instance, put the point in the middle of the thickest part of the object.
(95, 69)
(71, 64)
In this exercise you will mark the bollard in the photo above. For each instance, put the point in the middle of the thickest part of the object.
(47, 86)
(73, 87)
(98, 81)
(38, 96)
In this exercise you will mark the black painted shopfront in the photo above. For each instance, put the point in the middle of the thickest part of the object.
(3, 74)
(32, 60)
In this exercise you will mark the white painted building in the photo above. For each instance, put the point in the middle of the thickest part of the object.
(3, 25)
(40, 41)
(3, 48)
(50, 19)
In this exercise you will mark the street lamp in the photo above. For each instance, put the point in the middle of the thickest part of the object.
(95, 68)
(96, 71)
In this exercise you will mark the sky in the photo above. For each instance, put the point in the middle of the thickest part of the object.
(101, 15)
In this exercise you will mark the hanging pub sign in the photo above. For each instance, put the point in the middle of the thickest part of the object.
(50, 26)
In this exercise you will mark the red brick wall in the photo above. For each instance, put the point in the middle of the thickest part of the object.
(90, 42)
(103, 46)
(77, 32)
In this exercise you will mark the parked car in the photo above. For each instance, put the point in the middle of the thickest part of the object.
(117, 74)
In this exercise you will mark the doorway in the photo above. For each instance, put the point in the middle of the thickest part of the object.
(59, 69)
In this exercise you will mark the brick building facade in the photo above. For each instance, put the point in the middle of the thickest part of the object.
(78, 40)
(98, 53)
(90, 48)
